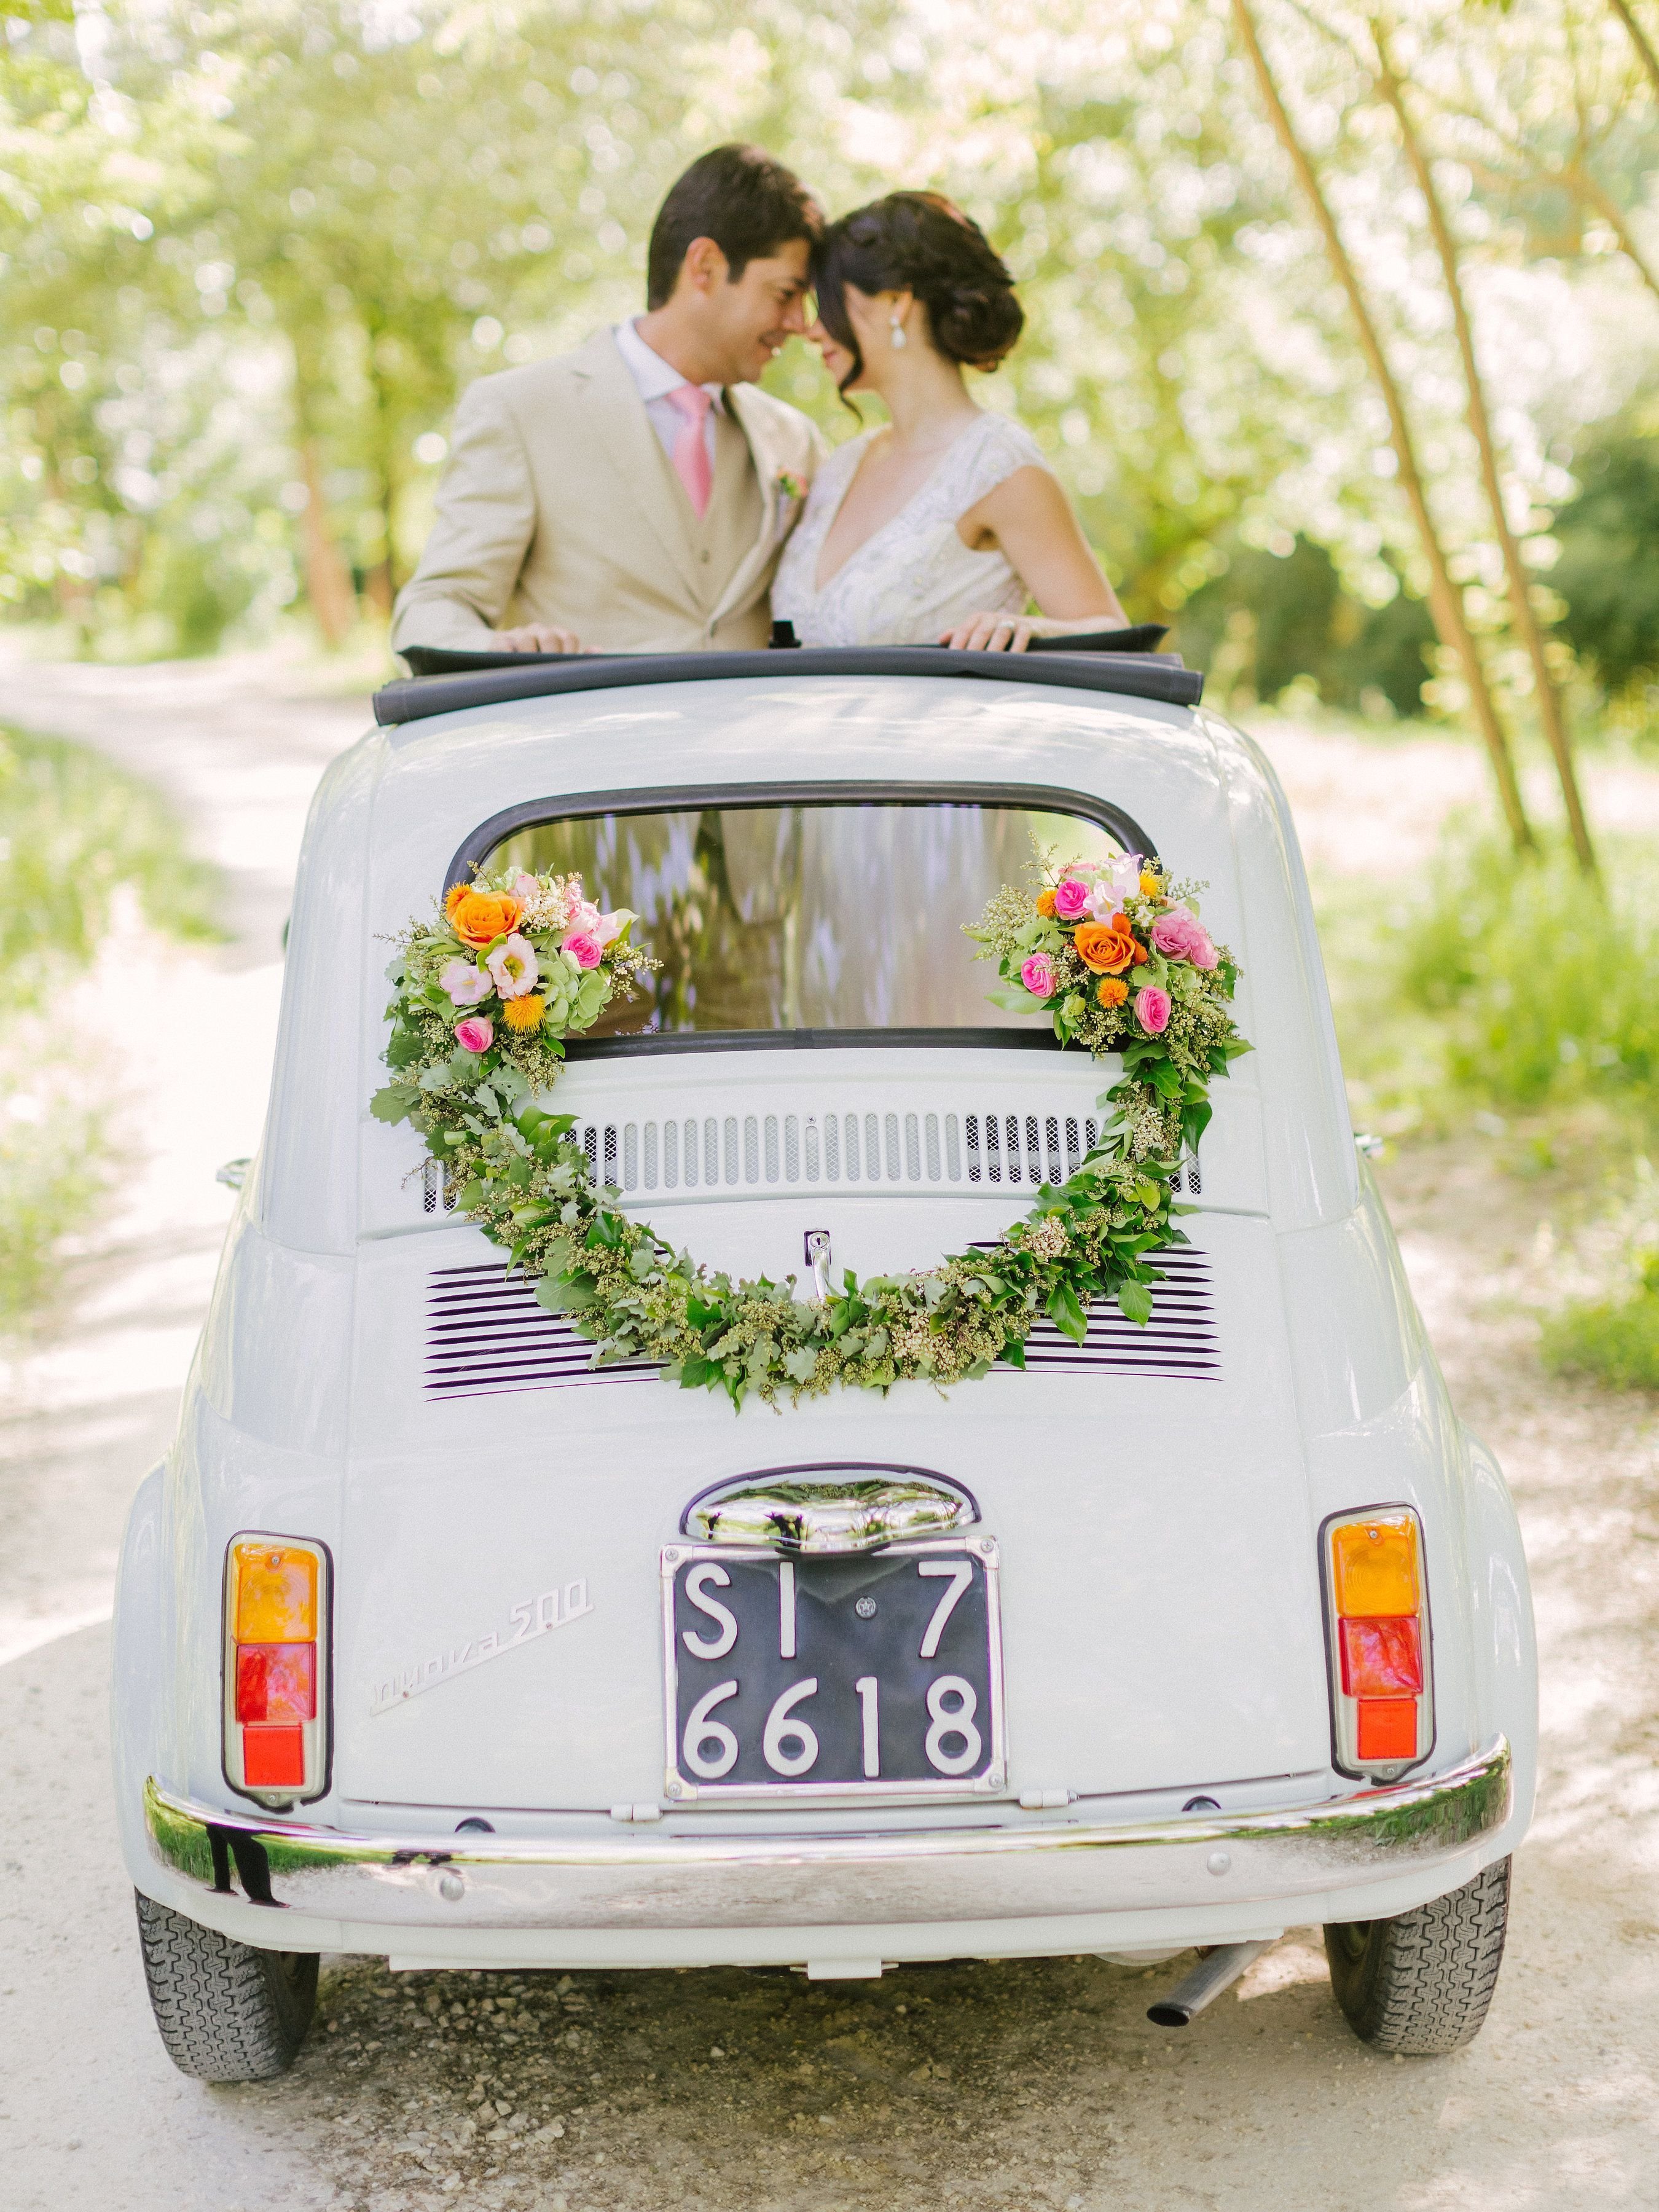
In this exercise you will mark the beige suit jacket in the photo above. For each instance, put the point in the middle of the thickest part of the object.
(559, 505)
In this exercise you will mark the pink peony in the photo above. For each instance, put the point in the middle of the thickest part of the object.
(466, 982)
(477, 1032)
(513, 964)
(584, 948)
(1182, 935)
(1038, 975)
(1152, 1007)
(1071, 899)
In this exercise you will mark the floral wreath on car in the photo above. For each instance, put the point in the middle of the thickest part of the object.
(1113, 953)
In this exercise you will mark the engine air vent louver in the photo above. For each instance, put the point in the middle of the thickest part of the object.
(485, 1334)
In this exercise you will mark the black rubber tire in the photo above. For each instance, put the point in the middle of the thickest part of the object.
(1421, 1983)
(227, 2012)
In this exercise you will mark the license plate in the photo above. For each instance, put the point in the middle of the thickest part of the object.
(833, 1674)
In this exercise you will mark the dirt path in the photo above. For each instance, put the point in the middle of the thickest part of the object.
(997, 2086)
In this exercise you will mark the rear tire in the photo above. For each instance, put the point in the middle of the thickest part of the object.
(227, 2012)
(1421, 1983)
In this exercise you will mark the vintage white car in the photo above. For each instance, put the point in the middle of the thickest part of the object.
(437, 1641)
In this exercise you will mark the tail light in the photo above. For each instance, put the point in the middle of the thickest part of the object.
(277, 1613)
(1377, 1617)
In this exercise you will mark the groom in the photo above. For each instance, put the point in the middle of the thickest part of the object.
(635, 495)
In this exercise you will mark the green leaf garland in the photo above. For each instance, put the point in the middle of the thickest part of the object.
(526, 1182)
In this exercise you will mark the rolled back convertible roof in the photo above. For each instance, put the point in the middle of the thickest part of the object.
(1134, 675)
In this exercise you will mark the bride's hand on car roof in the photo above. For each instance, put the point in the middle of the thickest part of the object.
(537, 637)
(1004, 633)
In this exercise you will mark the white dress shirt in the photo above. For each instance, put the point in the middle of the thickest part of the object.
(655, 381)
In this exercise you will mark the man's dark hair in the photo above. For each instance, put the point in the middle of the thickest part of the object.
(742, 199)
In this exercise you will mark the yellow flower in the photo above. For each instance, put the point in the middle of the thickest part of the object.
(525, 1012)
(1151, 886)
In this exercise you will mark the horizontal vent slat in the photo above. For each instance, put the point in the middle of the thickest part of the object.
(486, 1334)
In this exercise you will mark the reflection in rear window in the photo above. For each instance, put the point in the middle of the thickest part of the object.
(821, 916)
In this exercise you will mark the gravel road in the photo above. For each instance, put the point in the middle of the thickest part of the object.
(1001, 2087)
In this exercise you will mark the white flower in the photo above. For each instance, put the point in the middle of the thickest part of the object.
(1113, 885)
(466, 982)
(513, 966)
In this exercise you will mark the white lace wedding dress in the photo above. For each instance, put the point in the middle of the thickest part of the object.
(913, 577)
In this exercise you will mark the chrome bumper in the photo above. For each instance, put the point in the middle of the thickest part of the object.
(689, 1881)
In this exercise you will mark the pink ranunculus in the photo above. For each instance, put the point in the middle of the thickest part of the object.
(1071, 899)
(1182, 936)
(477, 1032)
(466, 982)
(1037, 974)
(512, 963)
(584, 948)
(1152, 1009)
(526, 888)
(583, 920)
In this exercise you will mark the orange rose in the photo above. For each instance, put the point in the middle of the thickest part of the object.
(1107, 947)
(1110, 992)
(479, 917)
(1045, 903)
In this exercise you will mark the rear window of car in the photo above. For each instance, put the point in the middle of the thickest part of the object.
(827, 919)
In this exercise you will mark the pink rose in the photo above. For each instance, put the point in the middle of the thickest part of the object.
(584, 948)
(466, 982)
(1152, 1006)
(584, 919)
(1071, 899)
(1182, 935)
(1038, 975)
(477, 1032)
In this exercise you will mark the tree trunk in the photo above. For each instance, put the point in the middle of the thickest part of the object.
(328, 579)
(1445, 601)
(1480, 421)
(1639, 39)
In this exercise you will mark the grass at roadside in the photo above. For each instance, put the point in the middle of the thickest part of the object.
(77, 837)
(1518, 999)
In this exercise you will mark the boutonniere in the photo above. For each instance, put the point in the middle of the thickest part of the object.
(789, 485)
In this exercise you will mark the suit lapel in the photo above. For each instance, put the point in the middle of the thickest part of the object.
(615, 413)
(752, 420)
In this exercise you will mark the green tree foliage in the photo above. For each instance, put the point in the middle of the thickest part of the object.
(1607, 572)
(249, 256)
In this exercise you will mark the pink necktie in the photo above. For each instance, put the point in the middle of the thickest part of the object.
(690, 455)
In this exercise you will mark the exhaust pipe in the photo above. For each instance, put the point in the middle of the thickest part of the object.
(1217, 1969)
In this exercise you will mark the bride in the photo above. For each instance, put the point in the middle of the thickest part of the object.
(939, 527)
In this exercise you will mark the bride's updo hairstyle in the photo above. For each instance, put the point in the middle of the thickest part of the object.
(919, 242)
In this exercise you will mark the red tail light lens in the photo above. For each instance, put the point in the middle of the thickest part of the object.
(276, 1682)
(274, 1758)
(1382, 1687)
(275, 1667)
(1382, 1658)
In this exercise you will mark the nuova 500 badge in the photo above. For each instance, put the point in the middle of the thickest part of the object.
(532, 1618)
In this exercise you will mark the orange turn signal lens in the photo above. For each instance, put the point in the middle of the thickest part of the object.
(277, 1595)
(1374, 1566)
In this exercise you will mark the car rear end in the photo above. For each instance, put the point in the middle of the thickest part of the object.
(449, 1644)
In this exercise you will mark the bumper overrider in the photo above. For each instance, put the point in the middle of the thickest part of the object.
(914, 1876)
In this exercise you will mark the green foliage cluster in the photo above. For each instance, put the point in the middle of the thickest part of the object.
(73, 831)
(1275, 616)
(1608, 570)
(1615, 1342)
(1548, 984)
(74, 828)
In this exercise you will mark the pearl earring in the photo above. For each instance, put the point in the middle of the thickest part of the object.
(896, 337)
